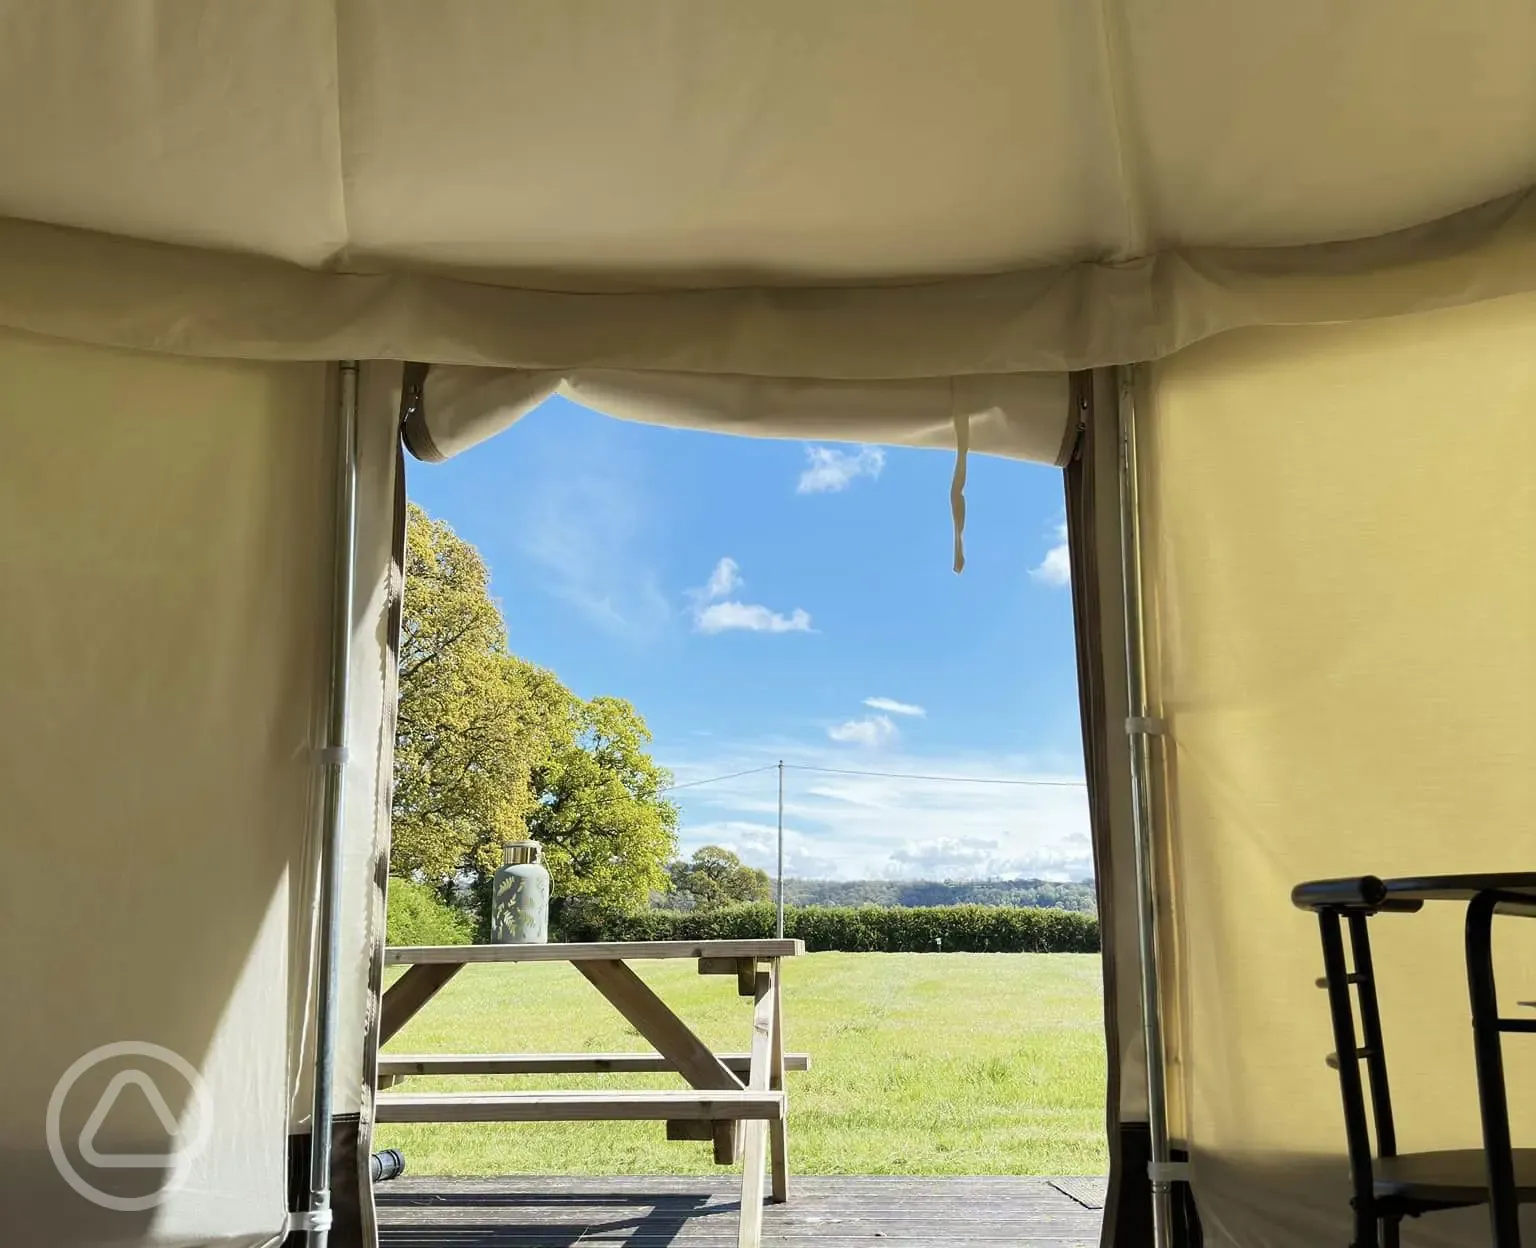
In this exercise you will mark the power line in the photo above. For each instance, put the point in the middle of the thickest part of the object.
(843, 771)
(626, 796)
(735, 775)
(902, 775)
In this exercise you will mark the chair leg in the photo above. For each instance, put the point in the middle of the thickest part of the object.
(1390, 1228)
(1356, 1132)
(1503, 1198)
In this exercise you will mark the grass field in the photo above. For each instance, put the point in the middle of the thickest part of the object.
(922, 1064)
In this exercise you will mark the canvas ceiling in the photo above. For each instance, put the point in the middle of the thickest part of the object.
(859, 191)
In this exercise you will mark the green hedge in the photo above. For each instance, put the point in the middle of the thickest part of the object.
(859, 929)
(416, 916)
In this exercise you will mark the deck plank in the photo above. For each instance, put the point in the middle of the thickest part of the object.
(701, 1212)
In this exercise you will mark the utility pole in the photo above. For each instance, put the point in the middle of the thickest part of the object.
(781, 849)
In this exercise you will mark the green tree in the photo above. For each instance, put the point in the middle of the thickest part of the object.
(491, 748)
(601, 817)
(473, 718)
(716, 877)
(418, 916)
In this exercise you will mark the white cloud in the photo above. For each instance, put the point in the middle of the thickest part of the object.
(713, 616)
(829, 470)
(893, 707)
(840, 826)
(756, 843)
(1056, 567)
(721, 617)
(725, 578)
(871, 731)
(980, 858)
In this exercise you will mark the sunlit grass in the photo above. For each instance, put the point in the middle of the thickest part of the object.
(920, 1064)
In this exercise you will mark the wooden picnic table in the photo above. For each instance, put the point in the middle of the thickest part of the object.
(737, 1100)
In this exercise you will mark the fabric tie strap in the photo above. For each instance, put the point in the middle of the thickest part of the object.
(957, 485)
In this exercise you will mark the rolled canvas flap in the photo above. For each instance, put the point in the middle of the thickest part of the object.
(1018, 415)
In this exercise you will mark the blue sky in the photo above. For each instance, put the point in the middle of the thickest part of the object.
(759, 600)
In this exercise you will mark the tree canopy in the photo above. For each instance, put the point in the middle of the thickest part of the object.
(716, 877)
(606, 829)
(491, 748)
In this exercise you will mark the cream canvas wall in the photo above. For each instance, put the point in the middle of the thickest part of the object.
(164, 547)
(1340, 525)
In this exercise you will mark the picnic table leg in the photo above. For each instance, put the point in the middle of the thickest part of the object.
(755, 1133)
(648, 1014)
(410, 992)
(778, 1130)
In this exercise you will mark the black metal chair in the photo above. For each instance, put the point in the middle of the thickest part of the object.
(1388, 1186)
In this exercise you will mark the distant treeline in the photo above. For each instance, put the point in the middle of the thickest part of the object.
(857, 929)
(417, 916)
(1039, 894)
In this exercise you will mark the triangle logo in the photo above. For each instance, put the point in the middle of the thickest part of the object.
(109, 1098)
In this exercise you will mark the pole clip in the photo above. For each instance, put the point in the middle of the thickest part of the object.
(309, 1220)
(1168, 1171)
(331, 755)
(1145, 726)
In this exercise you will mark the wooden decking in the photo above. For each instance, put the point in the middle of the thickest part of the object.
(701, 1213)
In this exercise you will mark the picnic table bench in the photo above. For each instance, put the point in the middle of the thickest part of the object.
(735, 1100)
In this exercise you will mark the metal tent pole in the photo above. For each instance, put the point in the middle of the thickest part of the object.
(1140, 728)
(334, 757)
(781, 850)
